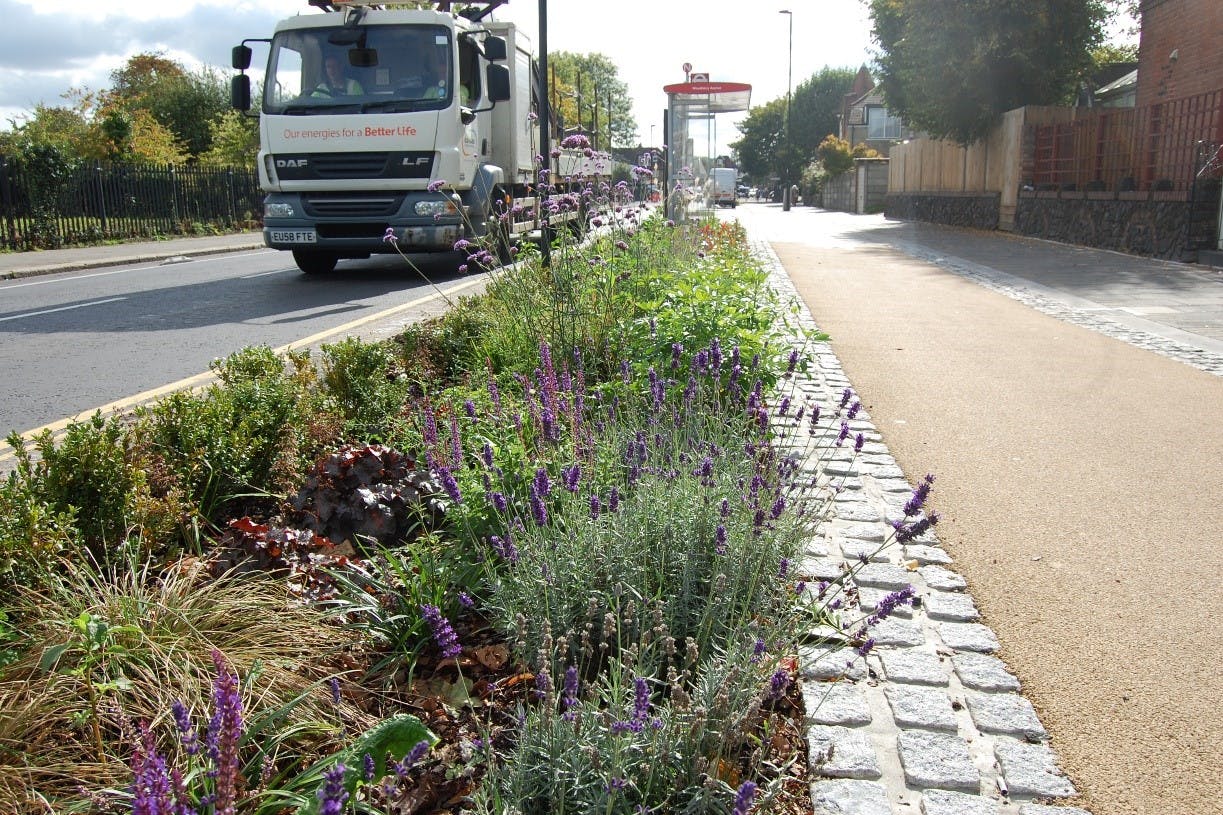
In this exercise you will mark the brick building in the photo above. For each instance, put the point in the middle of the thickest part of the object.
(1180, 49)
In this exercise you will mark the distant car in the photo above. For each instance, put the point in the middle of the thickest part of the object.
(742, 191)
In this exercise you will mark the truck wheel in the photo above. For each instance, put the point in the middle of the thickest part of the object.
(314, 262)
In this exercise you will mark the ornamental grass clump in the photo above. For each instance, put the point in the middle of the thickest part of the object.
(99, 650)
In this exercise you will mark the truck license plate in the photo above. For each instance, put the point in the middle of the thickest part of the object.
(294, 236)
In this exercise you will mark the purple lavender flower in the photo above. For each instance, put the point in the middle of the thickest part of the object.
(784, 568)
(779, 683)
(613, 499)
(332, 795)
(865, 648)
(434, 186)
(571, 476)
(411, 759)
(466, 601)
(486, 454)
(225, 730)
(499, 501)
(853, 409)
(390, 236)
(890, 603)
(569, 694)
(743, 798)
(920, 495)
(450, 485)
(596, 507)
(859, 441)
(792, 361)
(758, 649)
(443, 632)
(844, 434)
(543, 684)
(845, 394)
(367, 768)
(334, 684)
(186, 733)
(152, 788)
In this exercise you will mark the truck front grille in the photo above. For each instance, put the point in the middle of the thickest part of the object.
(355, 205)
(348, 165)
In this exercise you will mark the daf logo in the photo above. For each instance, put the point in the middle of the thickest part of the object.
(286, 163)
(416, 162)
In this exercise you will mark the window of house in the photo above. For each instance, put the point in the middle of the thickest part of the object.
(882, 125)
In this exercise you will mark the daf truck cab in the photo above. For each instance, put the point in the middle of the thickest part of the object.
(382, 128)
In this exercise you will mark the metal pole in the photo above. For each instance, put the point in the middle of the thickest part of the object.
(545, 131)
(785, 167)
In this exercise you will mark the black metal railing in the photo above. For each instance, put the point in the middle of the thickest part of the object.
(102, 201)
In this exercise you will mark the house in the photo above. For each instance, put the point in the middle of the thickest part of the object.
(865, 119)
(1178, 49)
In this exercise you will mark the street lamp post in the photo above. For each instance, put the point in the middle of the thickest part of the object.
(785, 167)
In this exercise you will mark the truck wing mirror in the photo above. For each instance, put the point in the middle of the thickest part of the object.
(240, 57)
(240, 92)
(494, 49)
(498, 83)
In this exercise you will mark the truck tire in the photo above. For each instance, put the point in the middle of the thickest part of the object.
(314, 262)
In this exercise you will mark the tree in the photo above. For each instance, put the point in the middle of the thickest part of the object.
(953, 67)
(582, 85)
(235, 141)
(763, 133)
(183, 102)
(764, 151)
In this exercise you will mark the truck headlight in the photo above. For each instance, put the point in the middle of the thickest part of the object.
(279, 210)
(440, 207)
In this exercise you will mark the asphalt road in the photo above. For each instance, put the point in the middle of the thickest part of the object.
(1079, 478)
(76, 341)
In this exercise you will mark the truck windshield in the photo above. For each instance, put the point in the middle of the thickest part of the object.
(310, 74)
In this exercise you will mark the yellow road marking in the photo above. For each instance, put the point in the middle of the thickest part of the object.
(7, 452)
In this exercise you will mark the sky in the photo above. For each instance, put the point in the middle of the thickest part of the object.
(50, 46)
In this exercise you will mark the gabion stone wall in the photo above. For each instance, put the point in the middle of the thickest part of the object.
(978, 211)
(1168, 229)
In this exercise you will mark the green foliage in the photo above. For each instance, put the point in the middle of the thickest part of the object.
(184, 102)
(953, 67)
(722, 296)
(239, 437)
(365, 384)
(33, 534)
(89, 474)
(142, 640)
(585, 85)
(394, 737)
(234, 140)
(766, 151)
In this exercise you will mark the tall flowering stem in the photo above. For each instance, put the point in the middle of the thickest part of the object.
(224, 732)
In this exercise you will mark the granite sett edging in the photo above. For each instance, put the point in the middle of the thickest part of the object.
(930, 722)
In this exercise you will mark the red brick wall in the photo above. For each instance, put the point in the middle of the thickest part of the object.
(1180, 50)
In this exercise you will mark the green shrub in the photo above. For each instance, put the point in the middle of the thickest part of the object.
(365, 384)
(33, 534)
(243, 436)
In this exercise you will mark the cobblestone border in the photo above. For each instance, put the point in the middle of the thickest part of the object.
(931, 724)
(1006, 284)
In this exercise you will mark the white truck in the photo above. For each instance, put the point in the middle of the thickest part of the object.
(418, 124)
(722, 184)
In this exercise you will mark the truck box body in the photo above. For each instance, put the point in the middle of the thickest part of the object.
(722, 181)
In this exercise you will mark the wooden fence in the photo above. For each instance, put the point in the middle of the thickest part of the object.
(116, 201)
(1161, 147)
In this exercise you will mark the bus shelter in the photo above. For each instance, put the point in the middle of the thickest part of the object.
(688, 102)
